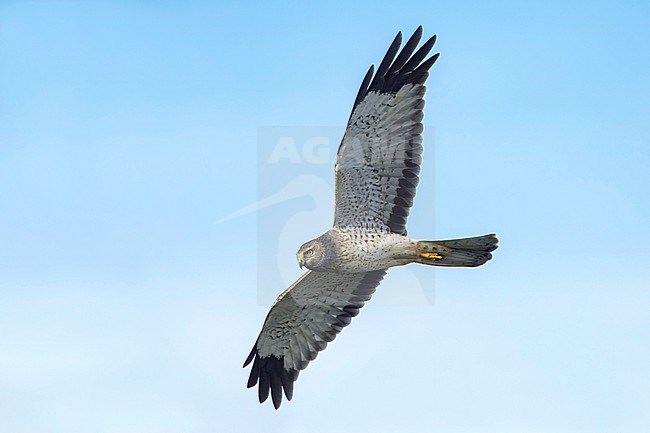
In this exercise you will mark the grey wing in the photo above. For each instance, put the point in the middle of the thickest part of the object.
(301, 322)
(378, 162)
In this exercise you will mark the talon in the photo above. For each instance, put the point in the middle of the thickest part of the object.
(434, 256)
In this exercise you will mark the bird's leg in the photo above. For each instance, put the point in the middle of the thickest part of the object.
(429, 251)
(434, 256)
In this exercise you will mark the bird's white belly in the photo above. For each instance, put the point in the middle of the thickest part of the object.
(369, 251)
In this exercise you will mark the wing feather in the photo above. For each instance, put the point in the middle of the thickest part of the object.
(301, 322)
(378, 81)
(378, 162)
(419, 55)
(406, 52)
(364, 86)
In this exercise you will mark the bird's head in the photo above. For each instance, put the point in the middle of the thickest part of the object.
(312, 255)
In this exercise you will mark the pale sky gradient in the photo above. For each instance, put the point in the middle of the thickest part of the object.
(129, 128)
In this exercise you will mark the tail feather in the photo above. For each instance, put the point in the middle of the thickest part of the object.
(466, 252)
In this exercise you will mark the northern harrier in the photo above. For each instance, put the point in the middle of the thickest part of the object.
(377, 167)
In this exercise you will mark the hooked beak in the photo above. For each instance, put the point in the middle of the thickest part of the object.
(301, 260)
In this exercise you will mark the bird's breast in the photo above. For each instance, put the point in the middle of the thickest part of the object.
(363, 251)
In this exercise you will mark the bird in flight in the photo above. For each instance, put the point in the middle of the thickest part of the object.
(376, 173)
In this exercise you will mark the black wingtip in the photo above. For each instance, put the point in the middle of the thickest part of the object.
(364, 85)
(404, 55)
(272, 378)
(250, 357)
(399, 68)
(420, 74)
(387, 61)
(276, 390)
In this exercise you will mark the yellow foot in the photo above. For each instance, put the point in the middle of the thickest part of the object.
(434, 256)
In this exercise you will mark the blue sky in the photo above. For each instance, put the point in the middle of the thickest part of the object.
(129, 129)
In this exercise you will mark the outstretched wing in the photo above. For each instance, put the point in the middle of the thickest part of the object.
(378, 162)
(301, 322)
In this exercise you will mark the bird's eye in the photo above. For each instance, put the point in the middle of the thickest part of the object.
(309, 252)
